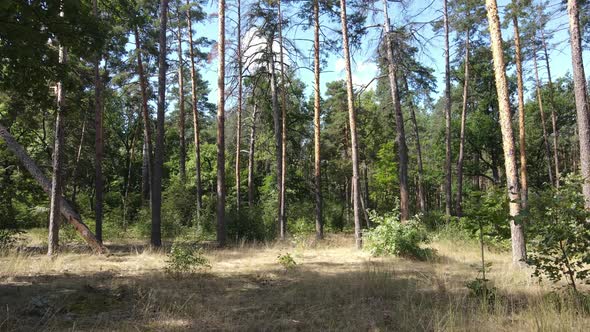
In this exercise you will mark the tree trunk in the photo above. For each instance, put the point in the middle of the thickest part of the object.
(353, 134)
(319, 224)
(66, 209)
(399, 121)
(98, 140)
(147, 131)
(521, 118)
(78, 156)
(542, 112)
(459, 206)
(421, 193)
(196, 130)
(283, 208)
(145, 173)
(156, 238)
(516, 228)
(581, 93)
(251, 157)
(553, 114)
(221, 228)
(181, 113)
(448, 184)
(277, 129)
(239, 115)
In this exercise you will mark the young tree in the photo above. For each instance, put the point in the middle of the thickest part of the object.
(352, 123)
(221, 227)
(581, 94)
(516, 228)
(448, 170)
(156, 236)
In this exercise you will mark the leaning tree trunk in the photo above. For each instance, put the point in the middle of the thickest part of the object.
(459, 206)
(542, 112)
(66, 209)
(352, 121)
(156, 236)
(239, 113)
(251, 157)
(283, 208)
(319, 224)
(181, 113)
(516, 228)
(553, 113)
(399, 122)
(524, 189)
(147, 126)
(196, 131)
(98, 141)
(448, 192)
(221, 228)
(581, 93)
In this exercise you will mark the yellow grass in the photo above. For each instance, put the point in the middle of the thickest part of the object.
(333, 288)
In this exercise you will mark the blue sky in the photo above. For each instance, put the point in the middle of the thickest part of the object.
(364, 68)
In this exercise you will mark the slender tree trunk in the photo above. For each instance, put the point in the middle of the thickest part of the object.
(399, 121)
(521, 116)
(516, 228)
(221, 227)
(553, 113)
(239, 115)
(353, 134)
(98, 140)
(581, 94)
(181, 113)
(421, 193)
(66, 209)
(283, 208)
(147, 131)
(196, 130)
(156, 238)
(459, 206)
(78, 156)
(542, 112)
(319, 223)
(448, 183)
(251, 157)
(145, 173)
(276, 113)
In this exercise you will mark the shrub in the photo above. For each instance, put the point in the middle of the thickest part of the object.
(391, 237)
(186, 258)
(286, 261)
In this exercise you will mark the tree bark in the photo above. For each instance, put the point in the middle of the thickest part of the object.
(319, 224)
(276, 113)
(66, 209)
(353, 133)
(221, 227)
(581, 95)
(399, 121)
(553, 114)
(448, 184)
(283, 208)
(196, 131)
(521, 116)
(251, 157)
(459, 206)
(147, 131)
(516, 228)
(542, 112)
(239, 113)
(156, 236)
(98, 141)
(181, 113)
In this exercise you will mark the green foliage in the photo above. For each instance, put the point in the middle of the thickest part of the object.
(561, 242)
(482, 289)
(286, 261)
(186, 258)
(391, 237)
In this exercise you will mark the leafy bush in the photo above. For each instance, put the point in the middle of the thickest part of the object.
(186, 258)
(561, 242)
(482, 289)
(391, 237)
(286, 261)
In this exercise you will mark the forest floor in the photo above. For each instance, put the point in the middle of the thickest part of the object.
(332, 288)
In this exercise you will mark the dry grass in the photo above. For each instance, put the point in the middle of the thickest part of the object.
(334, 287)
